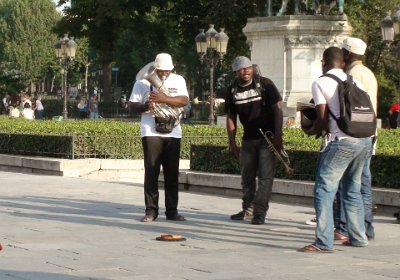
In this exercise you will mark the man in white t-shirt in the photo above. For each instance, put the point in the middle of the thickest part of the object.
(342, 158)
(160, 149)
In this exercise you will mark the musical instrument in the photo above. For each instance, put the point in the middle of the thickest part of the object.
(161, 110)
(281, 156)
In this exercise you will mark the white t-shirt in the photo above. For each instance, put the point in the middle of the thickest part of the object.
(28, 114)
(176, 86)
(324, 91)
(39, 105)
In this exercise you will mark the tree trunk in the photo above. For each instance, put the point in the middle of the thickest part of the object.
(107, 87)
(86, 79)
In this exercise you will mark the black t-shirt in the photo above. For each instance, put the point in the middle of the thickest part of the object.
(254, 109)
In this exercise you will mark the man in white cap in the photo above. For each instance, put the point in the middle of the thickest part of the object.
(353, 51)
(160, 148)
(257, 102)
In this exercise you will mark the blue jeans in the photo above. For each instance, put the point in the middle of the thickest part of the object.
(366, 193)
(94, 115)
(341, 159)
(256, 160)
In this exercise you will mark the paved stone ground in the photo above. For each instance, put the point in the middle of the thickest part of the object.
(66, 228)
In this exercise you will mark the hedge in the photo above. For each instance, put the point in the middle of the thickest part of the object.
(121, 139)
(217, 159)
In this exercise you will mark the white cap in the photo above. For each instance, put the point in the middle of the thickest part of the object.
(163, 61)
(241, 62)
(354, 45)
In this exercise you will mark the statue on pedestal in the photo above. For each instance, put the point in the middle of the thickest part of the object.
(302, 7)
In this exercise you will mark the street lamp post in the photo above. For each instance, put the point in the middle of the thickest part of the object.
(65, 49)
(211, 46)
(390, 27)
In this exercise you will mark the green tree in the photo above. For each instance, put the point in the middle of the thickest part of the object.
(26, 42)
(102, 21)
(172, 27)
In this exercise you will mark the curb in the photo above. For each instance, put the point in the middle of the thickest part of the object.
(122, 170)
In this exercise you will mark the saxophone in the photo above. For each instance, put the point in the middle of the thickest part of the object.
(162, 110)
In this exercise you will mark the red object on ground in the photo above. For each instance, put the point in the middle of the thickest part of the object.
(1, 248)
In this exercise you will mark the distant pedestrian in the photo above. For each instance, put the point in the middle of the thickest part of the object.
(394, 114)
(14, 111)
(83, 108)
(39, 108)
(5, 103)
(26, 99)
(93, 107)
(28, 112)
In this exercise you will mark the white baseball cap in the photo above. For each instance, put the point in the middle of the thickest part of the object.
(163, 61)
(354, 45)
(241, 62)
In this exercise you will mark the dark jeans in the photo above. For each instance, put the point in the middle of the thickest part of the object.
(39, 114)
(83, 114)
(256, 160)
(165, 152)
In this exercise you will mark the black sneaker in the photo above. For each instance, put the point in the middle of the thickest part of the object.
(237, 217)
(258, 219)
(242, 215)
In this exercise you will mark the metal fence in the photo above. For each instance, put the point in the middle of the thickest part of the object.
(76, 146)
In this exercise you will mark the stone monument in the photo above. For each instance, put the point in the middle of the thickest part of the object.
(288, 50)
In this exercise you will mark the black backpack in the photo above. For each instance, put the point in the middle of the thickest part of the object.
(357, 116)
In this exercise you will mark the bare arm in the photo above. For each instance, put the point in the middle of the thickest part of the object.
(138, 108)
(231, 127)
(278, 123)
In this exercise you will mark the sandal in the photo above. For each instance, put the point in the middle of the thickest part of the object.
(349, 243)
(339, 236)
(148, 219)
(314, 249)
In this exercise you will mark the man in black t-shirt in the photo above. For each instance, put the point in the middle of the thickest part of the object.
(257, 102)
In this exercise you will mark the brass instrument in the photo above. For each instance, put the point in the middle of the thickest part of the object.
(161, 110)
(281, 156)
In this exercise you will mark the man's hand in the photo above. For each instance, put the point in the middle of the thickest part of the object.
(158, 97)
(235, 150)
(148, 106)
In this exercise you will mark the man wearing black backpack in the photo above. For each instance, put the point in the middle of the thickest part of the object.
(257, 102)
(342, 157)
(353, 51)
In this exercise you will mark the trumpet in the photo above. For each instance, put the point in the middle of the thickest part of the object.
(282, 156)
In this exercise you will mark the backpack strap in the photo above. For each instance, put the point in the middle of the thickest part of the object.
(258, 87)
(340, 85)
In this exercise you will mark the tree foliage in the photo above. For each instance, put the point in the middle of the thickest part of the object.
(129, 33)
(26, 41)
(102, 21)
